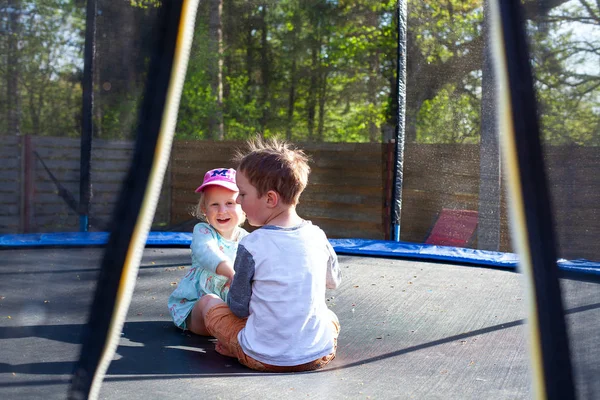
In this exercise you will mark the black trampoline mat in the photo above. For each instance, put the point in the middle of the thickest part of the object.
(410, 329)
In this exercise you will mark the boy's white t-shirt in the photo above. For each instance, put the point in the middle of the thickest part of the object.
(280, 279)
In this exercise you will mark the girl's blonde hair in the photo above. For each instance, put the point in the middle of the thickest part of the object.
(198, 210)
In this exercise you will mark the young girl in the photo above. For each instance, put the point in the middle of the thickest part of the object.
(214, 246)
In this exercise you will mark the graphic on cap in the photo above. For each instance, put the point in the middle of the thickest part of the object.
(224, 177)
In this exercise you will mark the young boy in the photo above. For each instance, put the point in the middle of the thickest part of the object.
(276, 318)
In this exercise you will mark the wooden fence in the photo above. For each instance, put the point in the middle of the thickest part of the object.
(32, 202)
(345, 195)
(12, 184)
(348, 193)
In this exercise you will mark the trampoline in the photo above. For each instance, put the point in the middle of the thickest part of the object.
(410, 329)
(84, 281)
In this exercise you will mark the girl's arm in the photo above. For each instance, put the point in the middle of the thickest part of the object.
(226, 269)
(205, 249)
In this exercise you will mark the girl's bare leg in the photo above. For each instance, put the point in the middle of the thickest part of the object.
(196, 323)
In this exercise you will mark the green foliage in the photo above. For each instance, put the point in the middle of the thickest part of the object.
(243, 117)
(443, 28)
(197, 100)
(316, 70)
(41, 57)
(325, 64)
(145, 3)
(566, 121)
(450, 117)
(113, 118)
(567, 69)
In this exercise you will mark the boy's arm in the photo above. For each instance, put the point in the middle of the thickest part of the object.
(240, 292)
(205, 249)
(334, 274)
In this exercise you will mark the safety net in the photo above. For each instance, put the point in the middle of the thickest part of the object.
(397, 110)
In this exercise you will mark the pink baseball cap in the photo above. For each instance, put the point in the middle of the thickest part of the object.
(224, 177)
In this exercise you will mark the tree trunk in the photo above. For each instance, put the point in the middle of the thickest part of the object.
(374, 133)
(249, 56)
(323, 72)
(215, 35)
(264, 53)
(291, 101)
(35, 110)
(13, 106)
(228, 11)
(322, 101)
(311, 102)
(414, 87)
(293, 79)
(124, 44)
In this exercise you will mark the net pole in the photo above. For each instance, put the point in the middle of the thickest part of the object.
(136, 205)
(398, 178)
(529, 203)
(87, 115)
(488, 224)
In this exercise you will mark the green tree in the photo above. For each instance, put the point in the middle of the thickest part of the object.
(43, 44)
(567, 67)
(322, 70)
(444, 70)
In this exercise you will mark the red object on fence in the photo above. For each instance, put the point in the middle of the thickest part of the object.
(453, 228)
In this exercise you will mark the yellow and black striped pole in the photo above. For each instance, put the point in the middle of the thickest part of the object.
(529, 203)
(138, 197)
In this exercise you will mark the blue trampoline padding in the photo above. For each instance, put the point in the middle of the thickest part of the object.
(54, 239)
(88, 239)
(381, 248)
(384, 248)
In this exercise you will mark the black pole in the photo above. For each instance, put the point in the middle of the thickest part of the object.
(96, 333)
(488, 224)
(538, 241)
(401, 118)
(87, 115)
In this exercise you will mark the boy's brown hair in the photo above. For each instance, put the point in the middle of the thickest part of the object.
(270, 164)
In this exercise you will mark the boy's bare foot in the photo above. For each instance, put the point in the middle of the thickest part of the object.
(223, 350)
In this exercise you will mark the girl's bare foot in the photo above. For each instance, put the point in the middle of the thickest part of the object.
(223, 350)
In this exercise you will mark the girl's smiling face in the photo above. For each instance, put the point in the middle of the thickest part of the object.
(221, 210)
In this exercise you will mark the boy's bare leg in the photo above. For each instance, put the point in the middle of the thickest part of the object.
(223, 350)
(196, 323)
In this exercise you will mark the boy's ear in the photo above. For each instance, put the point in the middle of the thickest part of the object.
(272, 198)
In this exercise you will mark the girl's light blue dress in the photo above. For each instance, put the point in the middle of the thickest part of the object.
(209, 249)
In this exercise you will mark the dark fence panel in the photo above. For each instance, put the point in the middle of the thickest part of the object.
(574, 184)
(31, 201)
(348, 192)
(344, 195)
(11, 207)
(438, 176)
